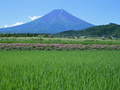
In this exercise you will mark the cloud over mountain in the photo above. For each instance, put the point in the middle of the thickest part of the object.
(16, 24)
(34, 17)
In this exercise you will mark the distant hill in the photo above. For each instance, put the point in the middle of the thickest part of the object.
(54, 22)
(102, 30)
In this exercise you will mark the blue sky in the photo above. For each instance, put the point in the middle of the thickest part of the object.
(97, 12)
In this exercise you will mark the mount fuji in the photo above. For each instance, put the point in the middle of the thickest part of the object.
(54, 22)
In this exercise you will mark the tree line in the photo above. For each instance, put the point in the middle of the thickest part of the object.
(23, 35)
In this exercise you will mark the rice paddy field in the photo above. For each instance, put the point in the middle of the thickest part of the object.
(60, 70)
(85, 41)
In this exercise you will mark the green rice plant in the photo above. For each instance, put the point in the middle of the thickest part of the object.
(60, 70)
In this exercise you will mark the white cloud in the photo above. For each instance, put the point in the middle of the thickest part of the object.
(34, 17)
(20, 23)
(16, 24)
(6, 26)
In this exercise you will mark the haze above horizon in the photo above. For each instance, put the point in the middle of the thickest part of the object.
(15, 12)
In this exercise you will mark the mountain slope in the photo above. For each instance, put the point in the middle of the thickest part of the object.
(106, 30)
(54, 22)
